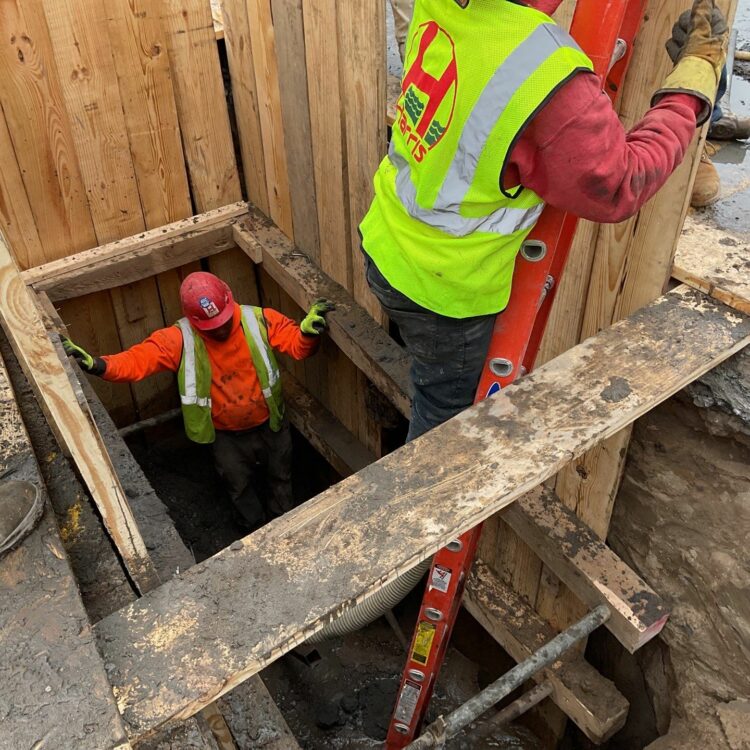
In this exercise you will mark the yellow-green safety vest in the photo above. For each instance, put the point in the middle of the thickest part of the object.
(194, 376)
(442, 229)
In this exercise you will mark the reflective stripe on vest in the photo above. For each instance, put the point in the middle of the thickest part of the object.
(544, 41)
(248, 317)
(190, 397)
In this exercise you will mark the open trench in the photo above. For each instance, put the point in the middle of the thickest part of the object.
(681, 521)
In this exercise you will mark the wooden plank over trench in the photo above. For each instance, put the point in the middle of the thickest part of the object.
(134, 258)
(74, 428)
(44, 631)
(715, 261)
(194, 638)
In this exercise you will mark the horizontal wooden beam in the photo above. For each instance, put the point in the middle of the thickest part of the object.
(715, 261)
(343, 451)
(589, 568)
(351, 327)
(590, 700)
(69, 418)
(133, 258)
(53, 688)
(194, 638)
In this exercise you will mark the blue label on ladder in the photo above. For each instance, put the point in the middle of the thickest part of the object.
(494, 388)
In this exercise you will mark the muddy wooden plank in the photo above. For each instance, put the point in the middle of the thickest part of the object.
(53, 688)
(133, 258)
(194, 638)
(715, 261)
(587, 566)
(363, 341)
(592, 701)
(74, 428)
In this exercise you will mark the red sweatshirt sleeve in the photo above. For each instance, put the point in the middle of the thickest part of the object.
(161, 351)
(285, 335)
(578, 157)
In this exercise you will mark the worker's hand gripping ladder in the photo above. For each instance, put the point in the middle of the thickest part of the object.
(605, 30)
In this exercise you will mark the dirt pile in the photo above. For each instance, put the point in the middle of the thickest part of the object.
(682, 520)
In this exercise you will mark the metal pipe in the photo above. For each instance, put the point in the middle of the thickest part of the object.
(436, 734)
(521, 705)
(167, 416)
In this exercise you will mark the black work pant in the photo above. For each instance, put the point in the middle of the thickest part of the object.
(448, 354)
(256, 468)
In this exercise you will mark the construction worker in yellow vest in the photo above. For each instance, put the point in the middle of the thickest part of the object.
(229, 383)
(500, 113)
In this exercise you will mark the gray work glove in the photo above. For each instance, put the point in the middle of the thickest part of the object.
(681, 30)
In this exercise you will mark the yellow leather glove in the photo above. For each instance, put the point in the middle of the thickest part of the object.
(701, 60)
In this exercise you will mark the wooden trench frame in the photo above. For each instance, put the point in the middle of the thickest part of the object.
(391, 514)
(292, 152)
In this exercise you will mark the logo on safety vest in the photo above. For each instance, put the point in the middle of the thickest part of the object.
(428, 91)
(209, 307)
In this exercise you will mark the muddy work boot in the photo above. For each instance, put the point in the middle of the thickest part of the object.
(21, 507)
(729, 127)
(707, 187)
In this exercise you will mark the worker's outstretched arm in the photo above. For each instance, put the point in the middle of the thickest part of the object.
(576, 154)
(160, 352)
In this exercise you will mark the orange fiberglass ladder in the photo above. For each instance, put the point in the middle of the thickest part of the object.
(605, 31)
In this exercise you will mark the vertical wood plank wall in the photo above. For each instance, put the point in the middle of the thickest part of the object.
(114, 119)
(308, 78)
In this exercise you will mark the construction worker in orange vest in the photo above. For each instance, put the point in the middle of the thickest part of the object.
(499, 114)
(229, 383)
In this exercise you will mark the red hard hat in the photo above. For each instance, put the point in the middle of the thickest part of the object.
(207, 301)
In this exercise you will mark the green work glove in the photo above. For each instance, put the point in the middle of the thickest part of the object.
(314, 322)
(92, 365)
(700, 58)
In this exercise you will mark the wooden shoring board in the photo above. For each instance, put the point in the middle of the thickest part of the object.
(247, 104)
(324, 95)
(598, 709)
(277, 586)
(262, 39)
(295, 106)
(362, 44)
(363, 341)
(201, 103)
(141, 57)
(37, 121)
(323, 431)
(588, 567)
(74, 428)
(55, 691)
(134, 258)
(16, 217)
(92, 98)
(139, 49)
(40, 132)
(715, 261)
(204, 122)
